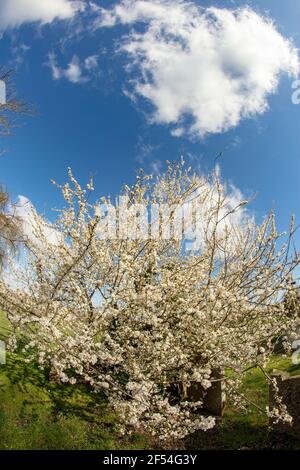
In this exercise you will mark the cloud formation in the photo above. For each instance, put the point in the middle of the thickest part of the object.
(76, 71)
(14, 13)
(203, 69)
(34, 227)
(37, 231)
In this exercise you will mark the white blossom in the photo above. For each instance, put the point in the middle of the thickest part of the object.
(163, 318)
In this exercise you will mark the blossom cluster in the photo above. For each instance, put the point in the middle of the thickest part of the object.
(137, 319)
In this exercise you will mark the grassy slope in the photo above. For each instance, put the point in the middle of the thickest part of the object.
(38, 414)
(246, 430)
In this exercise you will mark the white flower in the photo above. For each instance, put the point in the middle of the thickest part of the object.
(132, 317)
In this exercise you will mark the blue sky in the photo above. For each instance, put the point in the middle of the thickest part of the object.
(76, 75)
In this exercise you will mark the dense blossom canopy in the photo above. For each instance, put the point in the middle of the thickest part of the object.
(137, 317)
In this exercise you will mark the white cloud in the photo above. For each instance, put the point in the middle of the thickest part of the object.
(155, 167)
(14, 13)
(37, 231)
(18, 52)
(177, 132)
(202, 69)
(91, 62)
(76, 71)
(34, 227)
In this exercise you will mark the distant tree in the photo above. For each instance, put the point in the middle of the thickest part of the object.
(10, 109)
(10, 227)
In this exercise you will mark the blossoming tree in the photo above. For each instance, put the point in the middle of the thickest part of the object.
(137, 313)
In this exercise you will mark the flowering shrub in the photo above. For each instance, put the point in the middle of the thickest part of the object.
(135, 317)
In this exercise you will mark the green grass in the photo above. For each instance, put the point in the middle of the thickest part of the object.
(247, 430)
(4, 326)
(36, 413)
